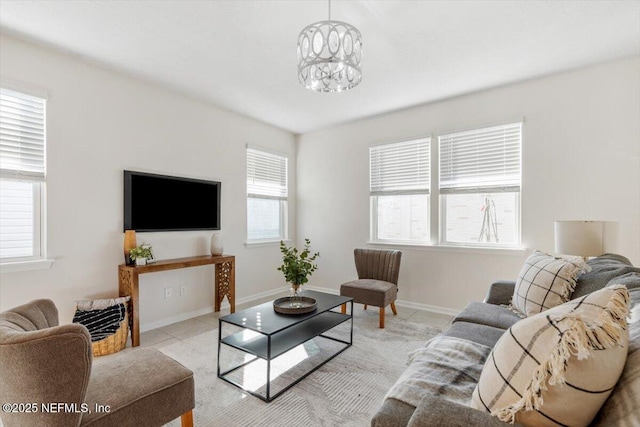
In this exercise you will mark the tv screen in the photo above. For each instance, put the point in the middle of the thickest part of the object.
(169, 203)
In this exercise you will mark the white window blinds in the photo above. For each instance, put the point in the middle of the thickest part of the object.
(22, 136)
(481, 160)
(266, 174)
(400, 167)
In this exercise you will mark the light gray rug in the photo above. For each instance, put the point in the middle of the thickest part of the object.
(346, 391)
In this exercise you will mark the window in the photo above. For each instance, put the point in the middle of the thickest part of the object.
(476, 187)
(267, 193)
(22, 176)
(399, 191)
(480, 186)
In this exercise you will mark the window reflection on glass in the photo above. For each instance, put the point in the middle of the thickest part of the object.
(264, 218)
(483, 218)
(403, 217)
(17, 218)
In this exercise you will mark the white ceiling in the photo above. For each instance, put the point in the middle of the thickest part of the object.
(241, 55)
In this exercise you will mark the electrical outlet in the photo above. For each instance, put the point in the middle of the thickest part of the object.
(168, 293)
(183, 290)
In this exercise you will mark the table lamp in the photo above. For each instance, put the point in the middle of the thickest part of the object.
(580, 238)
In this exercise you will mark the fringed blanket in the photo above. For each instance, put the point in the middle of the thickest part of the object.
(446, 367)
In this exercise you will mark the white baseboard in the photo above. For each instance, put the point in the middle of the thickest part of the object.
(321, 289)
(400, 303)
(225, 305)
(255, 297)
(191, 314)
(175, 319)
(427, 307)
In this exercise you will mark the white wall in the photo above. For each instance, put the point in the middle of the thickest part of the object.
(581, 160)
(99, 123)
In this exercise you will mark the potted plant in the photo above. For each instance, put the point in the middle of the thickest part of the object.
(297, 266)
(141, 254)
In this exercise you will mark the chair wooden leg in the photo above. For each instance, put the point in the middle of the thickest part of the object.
(343, 308)
(187, 419)
(381, 317)
(393, 307)
(365, 306)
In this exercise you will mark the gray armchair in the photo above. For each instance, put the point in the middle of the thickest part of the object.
(49, 369)
(377, 282)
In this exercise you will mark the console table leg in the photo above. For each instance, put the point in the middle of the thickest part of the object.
(128, 286)
(216, 288)
(225, 285)
(232, 288)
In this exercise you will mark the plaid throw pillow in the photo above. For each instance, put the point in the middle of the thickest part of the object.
(546, 282)
(545, 364)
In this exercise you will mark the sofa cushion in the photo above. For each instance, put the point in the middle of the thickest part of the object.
(621, 409)
(482, 334)
(634, 296)
(544, 364)
(392, 413)
(603, 269)
(500, 292)
(545, 282)
(488, 314)
(433, 412)
(631, 280)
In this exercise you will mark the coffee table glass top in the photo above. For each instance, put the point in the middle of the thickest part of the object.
(263, 318)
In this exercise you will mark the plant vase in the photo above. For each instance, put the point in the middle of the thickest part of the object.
(216, 244)
(294, 296)
(141, 261)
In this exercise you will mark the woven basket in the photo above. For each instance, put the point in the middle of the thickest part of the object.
(113, 343)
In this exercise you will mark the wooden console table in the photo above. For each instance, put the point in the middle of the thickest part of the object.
(225, 283)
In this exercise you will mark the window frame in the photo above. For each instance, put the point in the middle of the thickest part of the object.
(437, 214)
(375, 193)
(256, 195)
(485, 245)
(373, 200)
(38, 260)
(507, 184)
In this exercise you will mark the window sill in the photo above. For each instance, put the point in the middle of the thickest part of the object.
(12, 267)
(263, 243)
(517, 251)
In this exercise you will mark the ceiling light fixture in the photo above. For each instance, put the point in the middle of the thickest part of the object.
(329, 56)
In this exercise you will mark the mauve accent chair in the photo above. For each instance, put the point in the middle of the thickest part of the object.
(42, 363)
(377, 282)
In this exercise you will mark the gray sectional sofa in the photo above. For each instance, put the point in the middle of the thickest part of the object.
(484, 323)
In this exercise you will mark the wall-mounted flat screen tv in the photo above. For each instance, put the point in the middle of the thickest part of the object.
(170, 203)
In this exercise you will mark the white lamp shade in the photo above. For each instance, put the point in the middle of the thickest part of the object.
(580, 238)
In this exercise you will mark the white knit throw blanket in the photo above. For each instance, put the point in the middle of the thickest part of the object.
(446, 367)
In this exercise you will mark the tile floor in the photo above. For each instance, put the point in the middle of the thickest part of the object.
(175, 332)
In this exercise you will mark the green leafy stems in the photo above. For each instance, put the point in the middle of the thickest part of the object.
(297, 266)
(140, 252)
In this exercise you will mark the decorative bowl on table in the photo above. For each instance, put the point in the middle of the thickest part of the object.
(299, 305)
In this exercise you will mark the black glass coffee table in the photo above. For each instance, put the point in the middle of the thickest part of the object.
(289, 346)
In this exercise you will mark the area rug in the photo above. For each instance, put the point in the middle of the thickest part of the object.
(346, 391)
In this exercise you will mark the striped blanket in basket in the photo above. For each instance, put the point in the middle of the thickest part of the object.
(101, 323)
